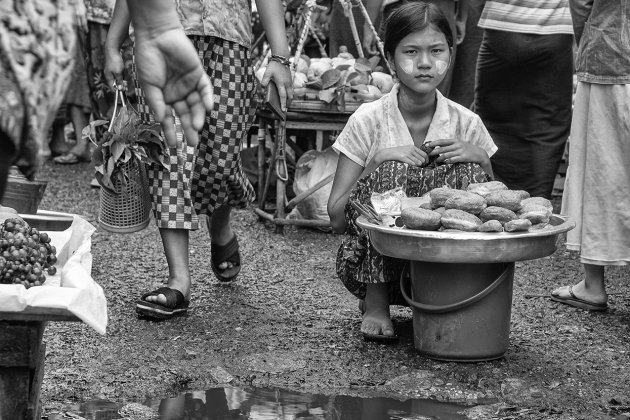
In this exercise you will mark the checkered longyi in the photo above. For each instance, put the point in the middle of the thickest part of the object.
(199, 179)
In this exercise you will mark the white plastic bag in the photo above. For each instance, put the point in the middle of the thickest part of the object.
(311, 168)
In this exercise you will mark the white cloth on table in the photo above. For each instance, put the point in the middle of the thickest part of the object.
(71, 290)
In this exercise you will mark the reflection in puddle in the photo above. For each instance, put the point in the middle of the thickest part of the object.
(275, 404)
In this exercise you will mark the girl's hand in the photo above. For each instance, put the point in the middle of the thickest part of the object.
(454, 151)
(411, 155)
(113, 69)
(281, 75)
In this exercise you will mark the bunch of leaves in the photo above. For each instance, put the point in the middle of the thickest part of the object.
(128, 138)
(334, 83)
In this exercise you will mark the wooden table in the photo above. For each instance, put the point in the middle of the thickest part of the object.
(22, 361)
(302, 115)
(21, 348)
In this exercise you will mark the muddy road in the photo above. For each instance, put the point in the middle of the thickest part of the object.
(289, 323)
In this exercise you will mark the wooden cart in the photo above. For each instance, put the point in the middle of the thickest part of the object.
(302, 115)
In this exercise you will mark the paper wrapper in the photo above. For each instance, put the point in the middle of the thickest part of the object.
(72, 289)
(388, 202)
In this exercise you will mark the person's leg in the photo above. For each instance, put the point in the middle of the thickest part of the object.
(376, 318)
(502, 80)
(219, 183)
(80, 118)
(591, 289)
(58, 145)
(549, 106)
(374, 280)
(175, 242)
(221, 233)
(79, 107)
(523, 96)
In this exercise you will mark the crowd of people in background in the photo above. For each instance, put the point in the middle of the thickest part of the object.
(502, 65)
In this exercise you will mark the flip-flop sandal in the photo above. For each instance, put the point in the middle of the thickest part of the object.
(71, 158)
(175, 304)
(577, 302)
(380, 338)
(226, 253)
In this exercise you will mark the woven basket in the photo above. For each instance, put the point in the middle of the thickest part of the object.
(129, 209)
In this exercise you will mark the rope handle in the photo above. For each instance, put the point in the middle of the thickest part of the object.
(119, 95)
(282, 171)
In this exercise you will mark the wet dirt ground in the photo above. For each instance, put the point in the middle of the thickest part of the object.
(289, 323)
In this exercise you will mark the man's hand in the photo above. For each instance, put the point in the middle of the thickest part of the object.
(173, 79)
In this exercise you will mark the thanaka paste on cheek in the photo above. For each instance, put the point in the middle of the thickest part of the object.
(406, 65)
(441, 66)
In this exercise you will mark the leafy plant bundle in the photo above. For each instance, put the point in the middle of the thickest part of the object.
(344, 78)
(127, 138)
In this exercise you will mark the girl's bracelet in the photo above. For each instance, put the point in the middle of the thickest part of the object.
(281, 59)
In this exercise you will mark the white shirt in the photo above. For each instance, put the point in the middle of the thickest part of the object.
(379, 125)
(541, 17)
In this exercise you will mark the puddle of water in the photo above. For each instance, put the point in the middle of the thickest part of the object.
(232, 403)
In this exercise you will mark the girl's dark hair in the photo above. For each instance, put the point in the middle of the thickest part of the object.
(414, 16)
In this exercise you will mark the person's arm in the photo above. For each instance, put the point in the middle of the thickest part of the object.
(349, 172)
(272, 19)
(580, 11)
(460, 20)
(346, 176)
(169, 69)
(374, 10)
(116, 35)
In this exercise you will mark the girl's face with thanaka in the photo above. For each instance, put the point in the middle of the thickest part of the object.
(421, 60)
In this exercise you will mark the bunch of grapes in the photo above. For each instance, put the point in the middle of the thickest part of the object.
(26, 254)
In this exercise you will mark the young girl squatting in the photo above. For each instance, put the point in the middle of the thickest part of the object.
(418, 46)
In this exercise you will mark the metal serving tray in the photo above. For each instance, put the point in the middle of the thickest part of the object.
(467, 247)
(48, 220)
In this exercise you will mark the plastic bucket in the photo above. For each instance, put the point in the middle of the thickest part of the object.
(461, 312)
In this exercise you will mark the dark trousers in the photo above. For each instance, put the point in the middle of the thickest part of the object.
(523, 95)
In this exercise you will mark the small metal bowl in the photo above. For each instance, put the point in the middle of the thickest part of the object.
(467, 247)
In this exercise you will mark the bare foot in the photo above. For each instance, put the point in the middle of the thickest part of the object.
(376, 318)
